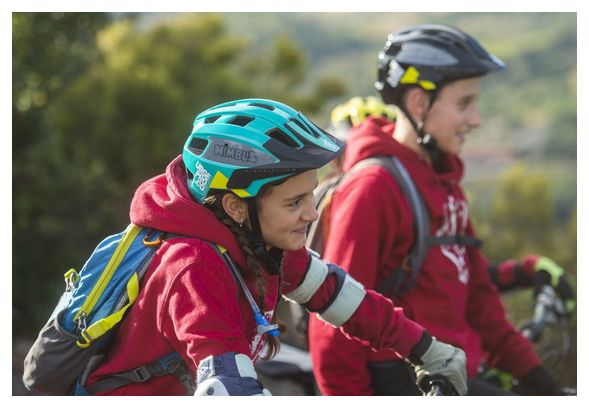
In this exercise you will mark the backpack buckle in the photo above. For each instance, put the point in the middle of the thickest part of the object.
(71, 279)
(140, 374)
(154, 243)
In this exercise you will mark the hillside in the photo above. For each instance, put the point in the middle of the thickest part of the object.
(529, 110)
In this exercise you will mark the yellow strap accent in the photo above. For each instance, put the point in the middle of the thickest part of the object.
(111, 267)
(221, 248)
(99, 328)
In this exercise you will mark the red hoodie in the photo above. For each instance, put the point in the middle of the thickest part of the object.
(371, 231)
(191, 304)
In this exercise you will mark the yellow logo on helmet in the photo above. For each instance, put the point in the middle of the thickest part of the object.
(411, 76)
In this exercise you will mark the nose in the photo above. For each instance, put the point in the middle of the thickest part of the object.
(310, 212)
(474, 118)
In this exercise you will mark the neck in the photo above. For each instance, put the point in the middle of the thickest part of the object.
(406, 135)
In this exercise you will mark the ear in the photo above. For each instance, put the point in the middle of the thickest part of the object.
(417, 103)
(235, 207)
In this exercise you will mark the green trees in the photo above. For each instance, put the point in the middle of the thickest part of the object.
(99, 107)
(522, 219)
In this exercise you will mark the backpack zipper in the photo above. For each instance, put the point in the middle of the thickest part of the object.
(140, 272)
(106, 275)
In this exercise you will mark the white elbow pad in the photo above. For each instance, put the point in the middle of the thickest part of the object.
(228, 374)
(345, 301)
(314, 278)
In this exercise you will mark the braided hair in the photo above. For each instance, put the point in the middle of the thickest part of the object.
(214, 203)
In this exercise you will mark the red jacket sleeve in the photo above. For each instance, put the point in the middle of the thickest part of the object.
(507, 348)
(201, 314)
(513, 274)
(362, 220)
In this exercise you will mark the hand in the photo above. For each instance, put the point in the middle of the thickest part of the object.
(432, 358)
(549, 273)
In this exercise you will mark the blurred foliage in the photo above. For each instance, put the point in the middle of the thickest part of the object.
(521, 220)
(102, 102)
(521, 217)
(100, 106)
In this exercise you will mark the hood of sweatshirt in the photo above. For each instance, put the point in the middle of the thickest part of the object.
(374, 137)
(165, 203)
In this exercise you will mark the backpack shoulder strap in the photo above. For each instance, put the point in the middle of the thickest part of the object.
(322, 195)
(404, 278)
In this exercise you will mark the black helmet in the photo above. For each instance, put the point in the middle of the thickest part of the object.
(429, 55)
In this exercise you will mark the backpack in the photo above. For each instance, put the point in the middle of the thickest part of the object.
(404, 277)
(75, 339)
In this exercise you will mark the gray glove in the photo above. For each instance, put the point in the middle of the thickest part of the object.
(432, 358)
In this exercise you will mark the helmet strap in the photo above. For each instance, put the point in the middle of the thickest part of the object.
(426, 140)
(270, 260)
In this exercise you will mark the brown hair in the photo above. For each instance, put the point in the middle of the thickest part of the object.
(214, 203)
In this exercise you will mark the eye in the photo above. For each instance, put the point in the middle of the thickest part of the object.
(296, 203)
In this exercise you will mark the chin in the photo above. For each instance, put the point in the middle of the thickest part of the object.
(295, 245)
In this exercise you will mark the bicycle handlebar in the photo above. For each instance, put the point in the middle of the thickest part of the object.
(436, 386)
(548, 310)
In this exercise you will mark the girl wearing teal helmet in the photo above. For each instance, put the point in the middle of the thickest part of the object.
(236, 206)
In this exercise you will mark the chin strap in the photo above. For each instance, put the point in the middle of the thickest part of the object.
(270, 260)
(425, 140)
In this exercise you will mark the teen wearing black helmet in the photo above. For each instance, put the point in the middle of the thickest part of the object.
(429, 56)
(432, 74)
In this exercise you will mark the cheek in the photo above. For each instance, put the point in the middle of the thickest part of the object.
(276, 223)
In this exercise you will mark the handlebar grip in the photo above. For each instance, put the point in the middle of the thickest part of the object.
(436, 385)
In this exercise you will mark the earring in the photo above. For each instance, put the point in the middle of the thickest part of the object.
(241, 224)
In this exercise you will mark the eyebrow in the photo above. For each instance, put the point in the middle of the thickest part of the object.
(299, 195)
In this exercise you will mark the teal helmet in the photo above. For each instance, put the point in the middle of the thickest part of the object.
(243, 145)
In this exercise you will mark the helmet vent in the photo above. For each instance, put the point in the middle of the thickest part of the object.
(240, 120)
(262, 105)
(281, 137)
(307, 128)
(212, 119)
(197, 145)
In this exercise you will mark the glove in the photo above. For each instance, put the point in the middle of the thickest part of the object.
(549, 273)
(540, 382)
(432, 358)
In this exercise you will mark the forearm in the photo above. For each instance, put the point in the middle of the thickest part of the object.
(512, 274)
(393, 331)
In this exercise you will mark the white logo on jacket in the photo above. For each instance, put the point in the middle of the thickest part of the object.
(455, 222)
